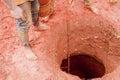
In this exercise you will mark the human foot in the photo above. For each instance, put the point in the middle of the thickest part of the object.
(88, 5)
(45, 19)
(42, 27)
(39, 25)
(29, 54)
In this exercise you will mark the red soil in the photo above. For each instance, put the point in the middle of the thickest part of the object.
(89, 33)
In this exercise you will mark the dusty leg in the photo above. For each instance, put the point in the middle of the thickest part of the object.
(23, 27)
(35, 16)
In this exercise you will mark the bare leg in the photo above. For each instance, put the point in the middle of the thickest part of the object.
(23, 27)
(35, 16)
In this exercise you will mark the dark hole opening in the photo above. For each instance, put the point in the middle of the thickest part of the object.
(84, 66)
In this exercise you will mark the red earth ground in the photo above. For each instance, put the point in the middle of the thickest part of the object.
(93, 34)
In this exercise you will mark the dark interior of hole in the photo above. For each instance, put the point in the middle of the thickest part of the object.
(84, 66)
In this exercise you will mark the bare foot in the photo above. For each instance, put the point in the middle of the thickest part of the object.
(94, 10)
(29, 54)
(45, 19)
(88, 5)
(42, 27)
